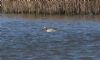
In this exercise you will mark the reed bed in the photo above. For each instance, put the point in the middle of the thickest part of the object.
(68, 7)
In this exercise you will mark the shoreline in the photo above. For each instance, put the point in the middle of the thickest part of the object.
(56, 17)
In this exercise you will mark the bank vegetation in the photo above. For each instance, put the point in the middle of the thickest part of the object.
(68, 7)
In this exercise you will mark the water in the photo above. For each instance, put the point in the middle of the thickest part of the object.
(23, 38)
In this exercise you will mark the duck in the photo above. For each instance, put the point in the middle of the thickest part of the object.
(46, 29)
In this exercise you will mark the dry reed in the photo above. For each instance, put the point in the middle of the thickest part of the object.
(51, 6)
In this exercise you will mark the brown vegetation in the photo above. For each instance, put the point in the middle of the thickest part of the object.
(51, 6)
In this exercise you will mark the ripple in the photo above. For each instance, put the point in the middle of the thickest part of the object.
(25, 40)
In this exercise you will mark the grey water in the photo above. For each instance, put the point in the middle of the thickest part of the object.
(76, 38)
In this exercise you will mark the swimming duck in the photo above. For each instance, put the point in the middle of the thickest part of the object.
(49, 29)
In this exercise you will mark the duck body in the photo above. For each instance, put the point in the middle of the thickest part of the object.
(49, 29)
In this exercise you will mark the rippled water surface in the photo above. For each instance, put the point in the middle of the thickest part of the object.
(24, 39)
